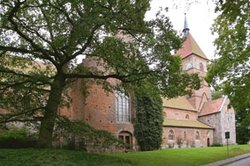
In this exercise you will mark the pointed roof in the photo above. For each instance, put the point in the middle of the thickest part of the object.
(189, 47)
(185, 29)
(178, 103)
(213, 106)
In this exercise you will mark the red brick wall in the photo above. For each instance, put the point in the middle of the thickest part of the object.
(97, 106)
(172, 113)
(190, 140)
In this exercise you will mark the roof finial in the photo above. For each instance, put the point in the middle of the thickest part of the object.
(186, 29)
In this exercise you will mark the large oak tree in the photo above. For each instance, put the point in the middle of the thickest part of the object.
(40, 41)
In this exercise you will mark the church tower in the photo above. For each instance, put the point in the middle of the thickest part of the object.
(194, 61)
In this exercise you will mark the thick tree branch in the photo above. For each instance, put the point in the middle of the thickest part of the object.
(124, 78)
(16, 117)
(62, 11)
(18, 50)
(84, 47)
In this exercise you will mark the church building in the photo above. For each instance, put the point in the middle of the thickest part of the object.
(189, 121)
(196, 120)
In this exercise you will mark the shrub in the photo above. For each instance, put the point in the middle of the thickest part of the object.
(179, 141)
(216, 144)
(80, 135)
(18, 138)
(149, 118)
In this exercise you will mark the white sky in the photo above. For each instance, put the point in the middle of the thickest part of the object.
(200, 16)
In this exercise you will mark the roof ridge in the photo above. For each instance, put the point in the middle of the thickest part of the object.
(223, 103)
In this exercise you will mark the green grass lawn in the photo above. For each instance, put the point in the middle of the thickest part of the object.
(172, 157)
(184, 157)
(47, 157)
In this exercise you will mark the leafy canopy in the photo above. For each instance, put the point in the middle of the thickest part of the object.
(231, 71)
(55, 32)
(232, 68)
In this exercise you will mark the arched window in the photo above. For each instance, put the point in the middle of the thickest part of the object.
(122, 106)
(125, 137)
(197, 135)
(201, 67)
(187, 116)
(171, 135)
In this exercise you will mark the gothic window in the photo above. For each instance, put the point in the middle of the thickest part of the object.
(197, 135)
(122, 106)
(187, 116)
(171, 135)
(201, 67)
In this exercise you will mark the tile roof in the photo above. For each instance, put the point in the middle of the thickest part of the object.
(179, 103)
(185, 123)
(212, 106)
(189, 47)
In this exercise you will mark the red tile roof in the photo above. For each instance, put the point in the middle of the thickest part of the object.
(189, 47)
(185, 123)
(212, 107)
(180, 102)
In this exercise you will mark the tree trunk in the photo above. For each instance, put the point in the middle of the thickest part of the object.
(48, 121)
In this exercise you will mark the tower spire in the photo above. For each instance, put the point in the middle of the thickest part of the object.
(185, 29)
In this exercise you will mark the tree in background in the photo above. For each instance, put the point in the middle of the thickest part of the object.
(242, 126)
(55, 32)
(149, 118)
(231, 71)
(217, 95)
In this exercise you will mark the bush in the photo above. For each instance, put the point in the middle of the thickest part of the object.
(149, 118)
(18, 138)
(80, 135)
(216, 144)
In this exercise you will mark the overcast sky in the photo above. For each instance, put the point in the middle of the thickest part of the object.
(200, 16)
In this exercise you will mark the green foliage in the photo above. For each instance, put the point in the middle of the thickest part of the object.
(57, 32)
(149, 118)
(13, 134)
(215, 144)
(17, 138)
(52, 157)
(85, 135)
(243, 134)
(243, 126)
(217, 94)
(179, 141)
(231, 71)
